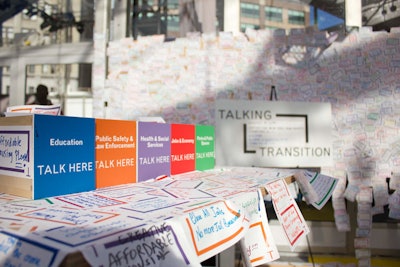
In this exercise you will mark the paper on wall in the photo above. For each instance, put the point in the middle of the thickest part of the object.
(394, 205)
(394, 182)
(342, 219)
(380, 194)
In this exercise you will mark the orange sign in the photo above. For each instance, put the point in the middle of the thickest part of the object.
(115, 152)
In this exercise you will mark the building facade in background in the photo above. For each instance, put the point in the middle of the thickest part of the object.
(55, 23)
(44, 24)
(270, 14)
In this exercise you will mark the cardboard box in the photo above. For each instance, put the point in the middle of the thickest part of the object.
(205, 147)
(183, 148)
(45, 155)
(153, 150)
(115, 152)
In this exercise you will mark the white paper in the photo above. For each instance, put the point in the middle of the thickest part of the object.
(322, 187)
(33, 109)
(288, 213)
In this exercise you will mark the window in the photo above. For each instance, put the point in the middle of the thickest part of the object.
(173, 23)
(4, 81)
(31, 89)
(244, 26)
(48, 69)
(272, 28)
(248, 10)
(273, 13)
(296, 17)
(172, 4)
(31, 69)
(8, 35)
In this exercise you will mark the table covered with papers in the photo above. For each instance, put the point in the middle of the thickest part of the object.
(179, 220)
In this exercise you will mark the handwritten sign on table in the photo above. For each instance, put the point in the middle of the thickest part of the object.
(258, 241)
(19, 251)
(67, 216)
(156, 245)
(82, 235)
(321, 185)
(15, 154)
(287, 211)
(37, 109)
(215, 227)
(153, 223)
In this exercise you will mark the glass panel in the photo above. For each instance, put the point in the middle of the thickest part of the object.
(4, 88)
(296, 17)
(173, 23)
(248, 10)
(63, 81)
(244, 26)
(7, 35)
(45, 22)
(273, 13)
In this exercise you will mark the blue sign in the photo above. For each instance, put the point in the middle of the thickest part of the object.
(64, 155)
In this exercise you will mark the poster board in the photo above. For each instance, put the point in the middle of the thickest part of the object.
(115, 152)
(273, 133)
(45, 155)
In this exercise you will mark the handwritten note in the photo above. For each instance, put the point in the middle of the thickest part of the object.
(287, 211)
(215, 227)
(67, 216)
(15, 154)
(19, 251)
(176, 221)
(89, 200)
(81, 235)
(37, 109)
(258, 242)
(322, 187)
(155, 245)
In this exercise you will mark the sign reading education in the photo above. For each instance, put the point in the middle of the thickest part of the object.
(64, 155)
(44, 155)
(273, 134)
